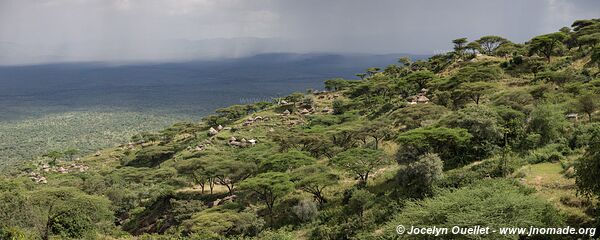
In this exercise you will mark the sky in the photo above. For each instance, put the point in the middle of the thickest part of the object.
(42, 31)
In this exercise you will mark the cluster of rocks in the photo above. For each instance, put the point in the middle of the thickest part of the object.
(214, 131)
(242, 143)
(222, 201)
(252, 120)
(328, 97)
(37, 178)
(317, 92)
(304, 111)
(419, 98)
(66, 169)
(131, 145)
(201, 146)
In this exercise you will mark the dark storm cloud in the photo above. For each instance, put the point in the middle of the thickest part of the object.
(158, 30)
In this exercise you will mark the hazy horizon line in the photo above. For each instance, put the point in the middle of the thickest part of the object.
(116, 62)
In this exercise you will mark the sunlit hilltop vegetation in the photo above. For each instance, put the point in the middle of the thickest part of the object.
(494, 133)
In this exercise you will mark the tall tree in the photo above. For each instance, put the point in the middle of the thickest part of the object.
(421, 78)
(449, 143)
(474, 47)
(314, 179)
(547, 44)
(360, 162)
(459, 46)
(231, 172)
(588, 103)
(378, 130)
(201, 171)
(475, 90)
(361, 75)
(283, 162)
(490, 43)
(269, 187)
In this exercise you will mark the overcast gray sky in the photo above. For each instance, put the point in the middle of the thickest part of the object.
(33, 31)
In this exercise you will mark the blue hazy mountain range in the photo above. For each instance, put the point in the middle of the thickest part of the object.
(192, 88)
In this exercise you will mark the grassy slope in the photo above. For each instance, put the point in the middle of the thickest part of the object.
(551, 184)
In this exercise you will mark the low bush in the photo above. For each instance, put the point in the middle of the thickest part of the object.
(548, 153)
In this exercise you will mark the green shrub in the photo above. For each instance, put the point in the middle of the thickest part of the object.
(451, 144)
(493, 203)
(339, 106)
(548, 153)
(219, 222)
(282, 234)
(549, 122)
(494, 167)
(306, 210)
(417, 179)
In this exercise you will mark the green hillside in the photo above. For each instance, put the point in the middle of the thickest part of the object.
(494, 134)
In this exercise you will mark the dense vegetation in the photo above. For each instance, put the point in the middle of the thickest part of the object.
(86, 131)
(494, 133)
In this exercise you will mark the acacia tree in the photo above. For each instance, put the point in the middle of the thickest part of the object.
(505, 49)
(459, 46)
(200, 170)
(378, 130)
(405, 61)
(475, 90)
(231, 172)
(451, 144)
(372, 70)
(269, 187)
(54, 156)
(474, 47)
(588, 103)
(421, 78)
(283, 162)
(360, 161)
(547, 44)
(361, 75)
(490, 43)
(314, 179)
